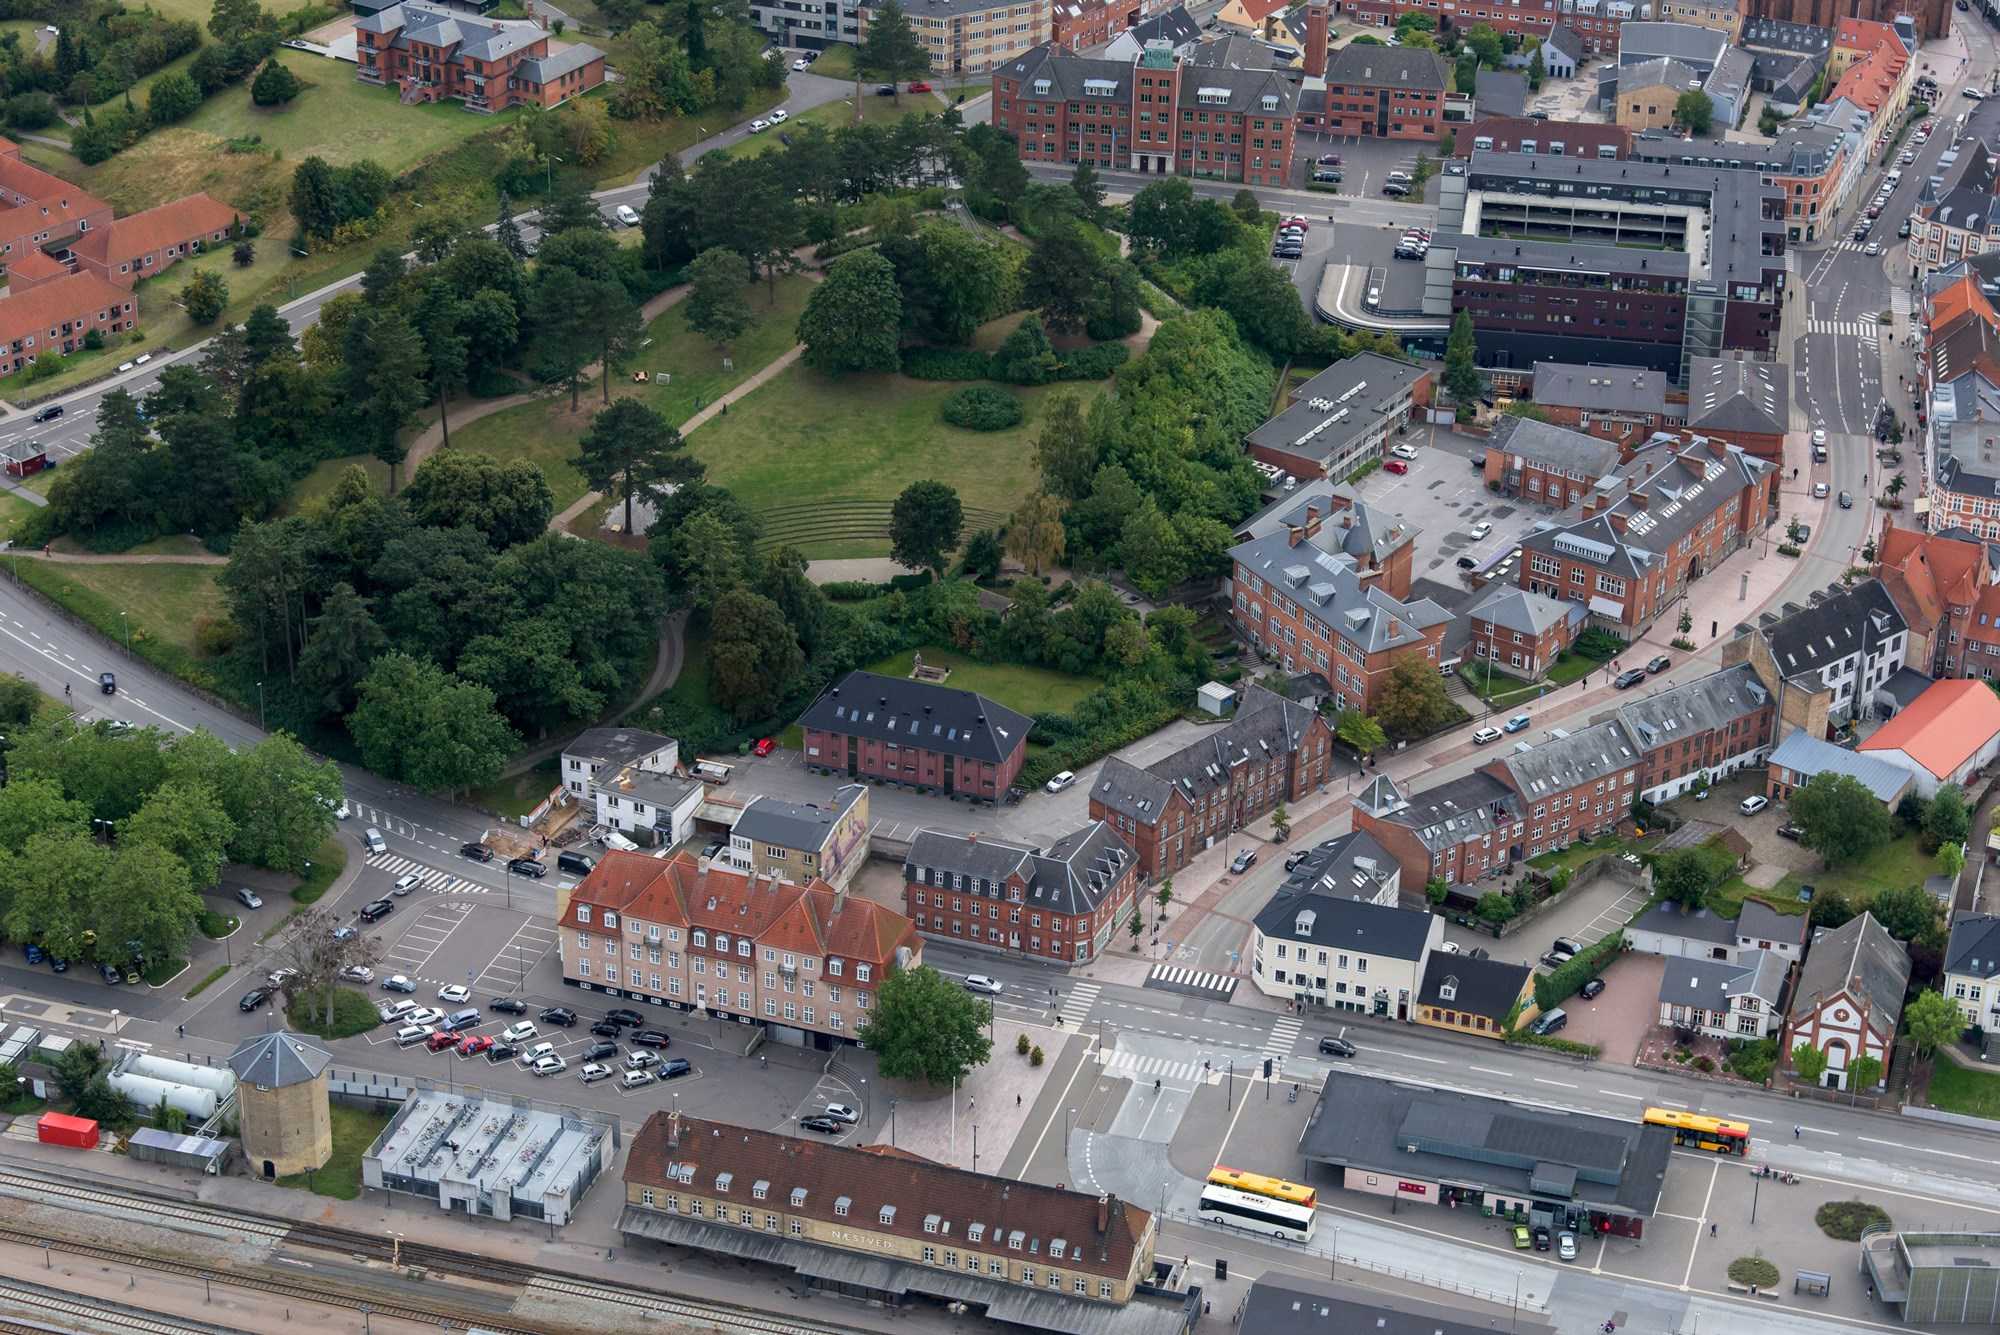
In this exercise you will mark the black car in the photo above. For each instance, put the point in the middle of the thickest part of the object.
(50, 413)
(623, 1016)
(599, 1050)
(58, 964)
(500, 1052)
(606, 1029)
(1791, 830)
(477, 852)
(508, 1005)
(1295, 859)
(674, 1066)
(649, 1038)
(1592, 989)
(376, 910)
(527, 867)
(561, 1015)
(1337, 1047)
(1629, 678)
(1660, 663)
(1395, 190)
(1541, 1239)
(254, 998)
(826, 1126)
(885, 90)
(107, 682)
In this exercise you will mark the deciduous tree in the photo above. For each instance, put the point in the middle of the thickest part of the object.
(205, 297)
(1934, 1021)
(1839, 818)
(927, 1027)
(851, 320)
(1035, 534)
(1694, 111)
(416, 722)
(924, 525)
(716, 306)
(1809, 1062)
(1064, 450)
(754, 654)
(1946, 819)
(1906, 912)
(1360, 731)
(1413, 700)
(188, 820)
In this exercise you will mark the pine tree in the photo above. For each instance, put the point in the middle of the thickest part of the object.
(508, 232)
(1461, 365)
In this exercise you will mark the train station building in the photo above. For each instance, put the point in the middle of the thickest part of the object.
(1540, 1166)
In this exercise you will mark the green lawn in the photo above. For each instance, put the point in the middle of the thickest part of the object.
(694, 365)
(543, 433)
(12, 511)
(821, 459)
(1955, 1088)
(315, 485)
(522, 793)
(1900, 862)
(1576, 854)
(354, 1130)
(835, 62)
(1030, 690)
(833, 115)
(156, 603)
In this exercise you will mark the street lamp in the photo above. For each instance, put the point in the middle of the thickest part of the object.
(1068, 1113)
(549, 175)
(126, 622)
(864, 1101)
(260, 705)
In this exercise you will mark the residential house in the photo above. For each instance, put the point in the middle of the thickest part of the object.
(1673, 930)
(1733, 1000)
(1742, 401)
(1063, 904)
(1343, 417)
(1802, 757)
(801, 959)
(1343, 954)
(1621, 404)
(1316, 609)
(1500, 93)
(1936, 582)
(1548, 464)
(1849, 997)
(144, 244)
(1520, 632)
(882, 1224)
(1271, 751)
(1562, 52)
(596, 751)
(1760, 927)
(39, 211)
(1952, 729)
(1972, 968)
(432, 53)
(1380, 92)
(1647, 93)
(57, 315)
(1553, 138)
(1173, 26)
(1472, 996)
(912, 733)
(1695, 734)
(801, 841)
(651, 808)
(1846, 641)
(1233, 124)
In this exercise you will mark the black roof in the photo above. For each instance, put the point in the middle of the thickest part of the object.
(1281, 1304)
(915, 713)
(1478, 987)
(1975, 946)
(1338, 922)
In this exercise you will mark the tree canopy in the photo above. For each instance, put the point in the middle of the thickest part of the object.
(926, 1027)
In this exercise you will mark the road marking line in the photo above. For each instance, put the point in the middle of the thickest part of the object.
(1612, 1093)
(1558, 1083)
(1435, 1061)
(1487, 1070)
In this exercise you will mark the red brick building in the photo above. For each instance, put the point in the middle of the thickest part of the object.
(1525, 134)
(54, 316)
(1932, 17)
(1076, 24)
(1625, 405)
(1939, 582)
(1272, 751)
(41, 212)
(912, 733)
(1742, 401)
(1056, 905)
(1156, 115)
(488, 64)
(1531, 19)
(1381, 92)
(1549, 464)
(145, 244)
(1520, 632)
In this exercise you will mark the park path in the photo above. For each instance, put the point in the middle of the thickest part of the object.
(119, 558)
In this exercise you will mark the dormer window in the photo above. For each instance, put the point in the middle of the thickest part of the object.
(610, 919)
(888, 1216)
(583, 913)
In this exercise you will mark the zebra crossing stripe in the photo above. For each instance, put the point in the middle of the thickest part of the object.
(1077, 1005)
(1283, 1034)
(1185, 977)
(1125, 1063)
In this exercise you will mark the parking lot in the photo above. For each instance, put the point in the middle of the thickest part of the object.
(1365, 163)
(1444, 498)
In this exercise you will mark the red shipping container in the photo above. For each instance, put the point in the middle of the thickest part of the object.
(79, 1133)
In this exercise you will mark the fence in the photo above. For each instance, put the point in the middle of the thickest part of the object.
(556, 794)
(1966, 1120)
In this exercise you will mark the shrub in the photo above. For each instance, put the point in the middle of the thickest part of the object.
(1494, 907)
(1754, 1061)
(1021, 1044)
(979, 408)
(1598, 645)
(1095, 362)
(1558, 986)
(1026, 358)
(1847, 1220)
(214, 636)
(353, 1013)
(1035, 1056)
(1554, 1043)
(94, 339)
(850, 590)
(1754, 1271)
(1704, 1064)
(947, 364)
(31, 111)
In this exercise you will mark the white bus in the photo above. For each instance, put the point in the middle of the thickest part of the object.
(1258, 1214)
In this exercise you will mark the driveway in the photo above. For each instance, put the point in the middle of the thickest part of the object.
(1622, 1015)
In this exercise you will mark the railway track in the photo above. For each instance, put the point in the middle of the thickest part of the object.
(83, 1314)
(692, 1311)
(61, 1191)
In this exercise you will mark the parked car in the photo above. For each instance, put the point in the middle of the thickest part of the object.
(1294, 859)
(474, 1044)
(395, 982)
(109, 973)
(1243, 861)
(395, 1010)
(606, 1029)
(764, 746)
(627, 215)
(501, 1052)
(346, 933)
(1821, 491)
(592, 1072)
(549, 1065)
(248, 898)
(1518, 723)
(357, 973)
(442, 1039)
(1522, 1241)
(1792, 830)
(1549, 1022)
(1328, 176)
(1542, 1238)
(457, 993)
(799, 65)
(1327, 160)
(254, 998)
(412, 1034)
(622, 1015)
(674, 1067)
(1566, 1247)
(1395, 190)
(1481, 529)
(1629, 678)
(1657, 664)
(1060, 781)
(1753, 804)
(426, 1015)
(636, 1079)
(599, 1050)
(561, 1015)
(477, 852)
(1404, 450)
(759, 126)
(1337, 1047)
(885, 90)
(1591, 990)
(527, 867)
(519, 1032)
(376, 845)
(1485, 735)
(508, 1005)
(649, 1038)
(641, 1061)
(1396, 466)
(840, 1112)
(780, 116)
(919, 87)
(1552, 961)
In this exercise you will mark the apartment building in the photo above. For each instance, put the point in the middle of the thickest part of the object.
(1061, 905)
(1157, 115)
(488, 65)
(803, 841)
(1958, 215)
(1621, 404)
(1340, 953)
(879, 1224)
(1342, 418)
(1530, 20)
(1722, 15)
(55, 316)
(40, 211)
(973, 36)
(1550, 138)
(606, 751)
(1972, 969)
(1741, 401)
(812, 25)
(1840, 648)
(1520, 632)
(1380, 92)
(918, 735)
(1929, 19)
(1696, 734)
(144, 244)
(1936, 580)
(1546, 463)
(800, 959)
(1272, 751)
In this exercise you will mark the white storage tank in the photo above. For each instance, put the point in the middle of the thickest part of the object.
(145, 1092)
(218, 1078)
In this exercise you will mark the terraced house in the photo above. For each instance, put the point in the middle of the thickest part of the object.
(1273, 751)
(1157, 114)
(801, 959)
(1057, 905)
(489, 65)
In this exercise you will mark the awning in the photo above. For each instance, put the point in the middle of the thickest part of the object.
(1605, 607)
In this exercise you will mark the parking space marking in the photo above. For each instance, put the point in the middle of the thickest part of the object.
(510, 966)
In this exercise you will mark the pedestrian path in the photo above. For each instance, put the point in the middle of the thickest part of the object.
(442, 882)
(1175, 978)
(1163, 1069)
(1077, 1004)
(1865, 330)
(1284, 1034)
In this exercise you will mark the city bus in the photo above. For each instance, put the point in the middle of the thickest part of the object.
(1713, 1134)
(1257, 1214)
(1257, 1184)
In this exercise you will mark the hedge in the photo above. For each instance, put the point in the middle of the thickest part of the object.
(1095, 362)
(981, 408)
(1559, 985)
(1568, 1046)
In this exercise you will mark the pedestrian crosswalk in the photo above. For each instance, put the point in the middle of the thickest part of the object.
(1175, 978)
(439, 882)
(1284, 1034)
(1865, 330)
(1138, 1068)
(1077, 1003)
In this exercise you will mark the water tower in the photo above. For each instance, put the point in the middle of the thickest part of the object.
(281, 1103)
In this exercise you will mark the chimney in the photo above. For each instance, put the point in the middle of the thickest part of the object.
(1103, 1213)
(1619, 520)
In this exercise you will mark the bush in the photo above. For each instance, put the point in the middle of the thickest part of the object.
(1554, 1043)
(1754, 1061)
(1754, 1271)
(214, 636)
(1021, 1044)
(274, 85)
(1095, 362)
(978, 408)
(1554, 988)
(1704, 1064)
(947, 364)
(850, 590)
(1026, 358)
(1495, 908)
(1106, 719)
(1847, 1220)
(1598, 645)
(31, 111)
(1035, 1056)
(353, 1013)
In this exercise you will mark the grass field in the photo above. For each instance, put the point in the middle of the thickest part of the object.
(541, 433)
(1900, 862)
(822, 459)
(158, 603)
(1030, 690)
(1955, 1088)
(833, 115)
(354, 1130)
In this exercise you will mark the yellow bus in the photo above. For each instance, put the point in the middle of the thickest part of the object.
(1257, 1184)
(1714, 1134)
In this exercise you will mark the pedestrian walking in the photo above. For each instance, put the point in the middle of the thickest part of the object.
(1797, 1131)
(183, 1030)
(1017, 1100)
(1711, 1230)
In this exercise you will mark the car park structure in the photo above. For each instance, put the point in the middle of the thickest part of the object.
(500, 1160)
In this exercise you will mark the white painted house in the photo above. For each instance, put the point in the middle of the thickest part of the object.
(1741, 998)
(1850, 997)
(1343, 953)
(652, 809)
(607, 750)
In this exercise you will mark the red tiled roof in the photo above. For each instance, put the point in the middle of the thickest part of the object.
(1960, 300)
(1938, 571)
(1942, 727)
(192, 216)
(869, 1181)
(66, 203)
(46, 305)
(1864, 35)
(1259, 10)
(35, 265)
(1870, 80)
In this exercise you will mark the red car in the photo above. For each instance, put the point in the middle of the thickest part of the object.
(441, 1040)
(1396, 466)
(920, 88)
(474, 1044)
(764, 745)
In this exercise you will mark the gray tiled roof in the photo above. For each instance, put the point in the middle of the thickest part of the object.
(1413, 67)
(1245, 90)
(915, 713)
(1556, 448)
(1688, 43)
(479, 39)
(1567, 40)
(1965, 199)
(1338, 406)
(1265, 726)
(1172, 25)
(1448, 814)
(1974, 949)
(1130, 791)
(1328, 588)
(547, 69)
(278, 1059)
(1709, 984)
(1758, 921)
(1859, 957)
(1353, 865)
(1511, 607)
(1668, 918)
(1804, 754)
(1234, 51)
(1782, 36)
(1500, 92)
(1731, 394)
(1647, 74)
(1838, 624)
(1595, 388)
(1694, 707)
(1334, 921)
(1481, 987)
(1067, 75)
(1073, 875)
(1730, 79)
(1561, 763)
(801, 825)
(615, 746)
